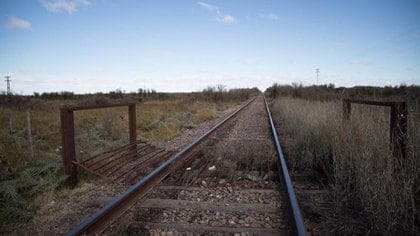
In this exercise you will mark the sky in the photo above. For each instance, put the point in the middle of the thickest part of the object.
(88, 46)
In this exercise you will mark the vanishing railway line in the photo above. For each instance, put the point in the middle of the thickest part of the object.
(233, 179)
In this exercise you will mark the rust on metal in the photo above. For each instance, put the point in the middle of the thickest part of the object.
(298, 222)
(96, 223)
(67, 139)
(397, 126)
(67, 135)
(125, 165)
(96, 106)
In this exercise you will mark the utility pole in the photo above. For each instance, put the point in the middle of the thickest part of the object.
(8, 84)
(317, 76)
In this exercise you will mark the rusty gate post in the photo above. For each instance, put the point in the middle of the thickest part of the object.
(132, 127)
(67, 138)
(346, 109)
(398, 129)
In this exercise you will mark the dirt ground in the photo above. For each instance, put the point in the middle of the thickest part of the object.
(62, 210)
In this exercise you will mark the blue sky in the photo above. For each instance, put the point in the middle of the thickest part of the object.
(101, 45)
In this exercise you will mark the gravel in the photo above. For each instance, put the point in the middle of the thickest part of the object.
(244, 144)
(190, 135)
(64, 210)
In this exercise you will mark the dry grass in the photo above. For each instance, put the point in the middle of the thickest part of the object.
(95, 131)
(163, 120)
(368, 183)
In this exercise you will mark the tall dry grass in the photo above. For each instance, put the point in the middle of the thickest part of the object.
(377, 192)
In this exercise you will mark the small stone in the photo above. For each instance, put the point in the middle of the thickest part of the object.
(249, 219)
(265, 177)
(203, 183)
(241, 222)
(230, 189)
(222, 181)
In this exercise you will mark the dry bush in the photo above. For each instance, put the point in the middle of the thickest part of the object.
(367, 181)
(219, 93)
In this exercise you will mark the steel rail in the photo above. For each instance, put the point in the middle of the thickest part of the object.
(99, 221)
(299, 224)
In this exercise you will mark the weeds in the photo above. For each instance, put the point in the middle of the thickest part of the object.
(160, 117)
(16, 194)
(368, 183)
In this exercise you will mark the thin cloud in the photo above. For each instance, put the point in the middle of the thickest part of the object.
(270, 16)
(249, 61)
(207, 6)
(70, 6)
(417, 36)
(361, 62)
(219, 16)
(18, 23)
(227, 19)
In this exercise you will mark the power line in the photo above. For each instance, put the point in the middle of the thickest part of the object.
(8, 83)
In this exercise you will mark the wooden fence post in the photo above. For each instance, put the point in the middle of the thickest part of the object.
(28, 128)
(346, 109)
(10, 124)
(69, 153)
(132, 127)
(398, 129)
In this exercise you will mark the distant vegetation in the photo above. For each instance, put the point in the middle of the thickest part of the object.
(373, 192)
(160, 117)
(329, 92)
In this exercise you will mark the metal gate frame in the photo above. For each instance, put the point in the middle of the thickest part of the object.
(398, 123)
(67, 134)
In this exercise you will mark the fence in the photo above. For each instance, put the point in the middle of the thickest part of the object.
(398, 122)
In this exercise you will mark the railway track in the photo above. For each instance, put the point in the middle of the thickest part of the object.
(232, 180)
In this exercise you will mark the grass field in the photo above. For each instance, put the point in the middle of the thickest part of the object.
(372, 192)
(23, 178)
